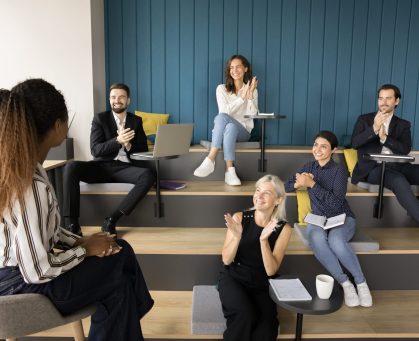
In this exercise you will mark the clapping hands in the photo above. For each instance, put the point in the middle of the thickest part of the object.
(234, 225)
(268, 229)
(303, 180)
(124, 136)
(249, 88)
(379, 120)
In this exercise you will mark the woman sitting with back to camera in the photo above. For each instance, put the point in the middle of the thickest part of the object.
(90, 270)
(326, 183)
(253, 250)
(236, 98)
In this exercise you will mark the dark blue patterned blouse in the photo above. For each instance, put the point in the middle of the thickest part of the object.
(328, 196)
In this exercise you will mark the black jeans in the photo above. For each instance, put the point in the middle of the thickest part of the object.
(250, 312)
(104, 171)
(115, 284)
(398, 178)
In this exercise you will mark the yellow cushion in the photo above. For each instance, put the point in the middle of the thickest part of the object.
(351, 158)
(150, 123)
(303, 204)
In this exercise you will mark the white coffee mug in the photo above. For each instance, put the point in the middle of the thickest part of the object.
(324, 286)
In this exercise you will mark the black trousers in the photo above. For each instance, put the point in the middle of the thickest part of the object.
(250, 313)
(398, 178)
(104, 171)
(115, 284)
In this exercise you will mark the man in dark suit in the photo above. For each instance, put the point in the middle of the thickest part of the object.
(384, 132)
(114, 136)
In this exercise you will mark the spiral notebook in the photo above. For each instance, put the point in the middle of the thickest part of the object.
(289, 290)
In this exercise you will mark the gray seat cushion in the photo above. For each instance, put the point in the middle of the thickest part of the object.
(239, 145)
(360, 242)
(105, 187)
(207, 314)
(26, 314)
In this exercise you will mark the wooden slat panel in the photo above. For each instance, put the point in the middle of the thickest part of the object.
(411, 99)
(320, 63)
(172, 60)
(216, 63)
(144, 57)
(186, 91)
(129, 41)
(201, 69)
(301, 73)
(158, 52)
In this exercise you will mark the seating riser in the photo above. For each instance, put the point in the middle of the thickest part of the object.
(208, 211)
(182, 272)
(281, 164)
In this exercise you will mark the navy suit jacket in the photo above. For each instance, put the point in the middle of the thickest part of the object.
(103, 144)
(399, 141)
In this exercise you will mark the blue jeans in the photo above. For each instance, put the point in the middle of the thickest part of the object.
(332, 248)
(227, 131)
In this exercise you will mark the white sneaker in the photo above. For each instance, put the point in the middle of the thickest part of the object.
(364, 294)
(231, 177)
(349, 294)
(206, 168)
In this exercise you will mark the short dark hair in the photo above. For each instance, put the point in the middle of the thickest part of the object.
(396, 90)
(329, 136)
(120, 86)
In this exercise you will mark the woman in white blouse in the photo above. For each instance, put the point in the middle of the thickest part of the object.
(96, 269)
(236, 98)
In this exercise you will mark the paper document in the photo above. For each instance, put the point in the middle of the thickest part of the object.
(324, 222)
(289, 290)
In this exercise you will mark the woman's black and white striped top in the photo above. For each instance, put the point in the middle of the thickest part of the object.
(28, 234)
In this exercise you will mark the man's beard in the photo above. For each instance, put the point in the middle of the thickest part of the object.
(118, 110)
(386, 109)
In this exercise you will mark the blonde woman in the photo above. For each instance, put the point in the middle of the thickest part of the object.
(253, 250)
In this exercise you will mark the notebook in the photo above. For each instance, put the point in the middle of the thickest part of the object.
(325, 223)
(289, 290)
(172, 185)
(171, 140)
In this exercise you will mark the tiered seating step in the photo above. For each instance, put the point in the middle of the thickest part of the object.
(210, 199)
(209, 240)
(208, 188)
(394, 315)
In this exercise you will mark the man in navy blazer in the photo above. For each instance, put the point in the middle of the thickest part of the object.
(114, 136)
(384, 132)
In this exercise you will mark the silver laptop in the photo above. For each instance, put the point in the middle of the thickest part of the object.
(171, 140)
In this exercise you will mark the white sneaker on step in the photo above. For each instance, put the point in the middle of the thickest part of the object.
(206, 168)
(349, 294)
(231, 177)
(364, 294)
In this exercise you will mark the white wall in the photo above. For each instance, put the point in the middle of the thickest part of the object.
(53, 40)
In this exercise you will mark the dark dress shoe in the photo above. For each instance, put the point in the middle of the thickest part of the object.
(109, 226)
(75, 228)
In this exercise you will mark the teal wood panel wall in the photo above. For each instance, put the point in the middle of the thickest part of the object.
(318, 61)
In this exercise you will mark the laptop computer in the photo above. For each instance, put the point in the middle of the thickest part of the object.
(171, 140)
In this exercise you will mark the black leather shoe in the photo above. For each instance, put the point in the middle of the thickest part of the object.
(75, 228)
(109, 226)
